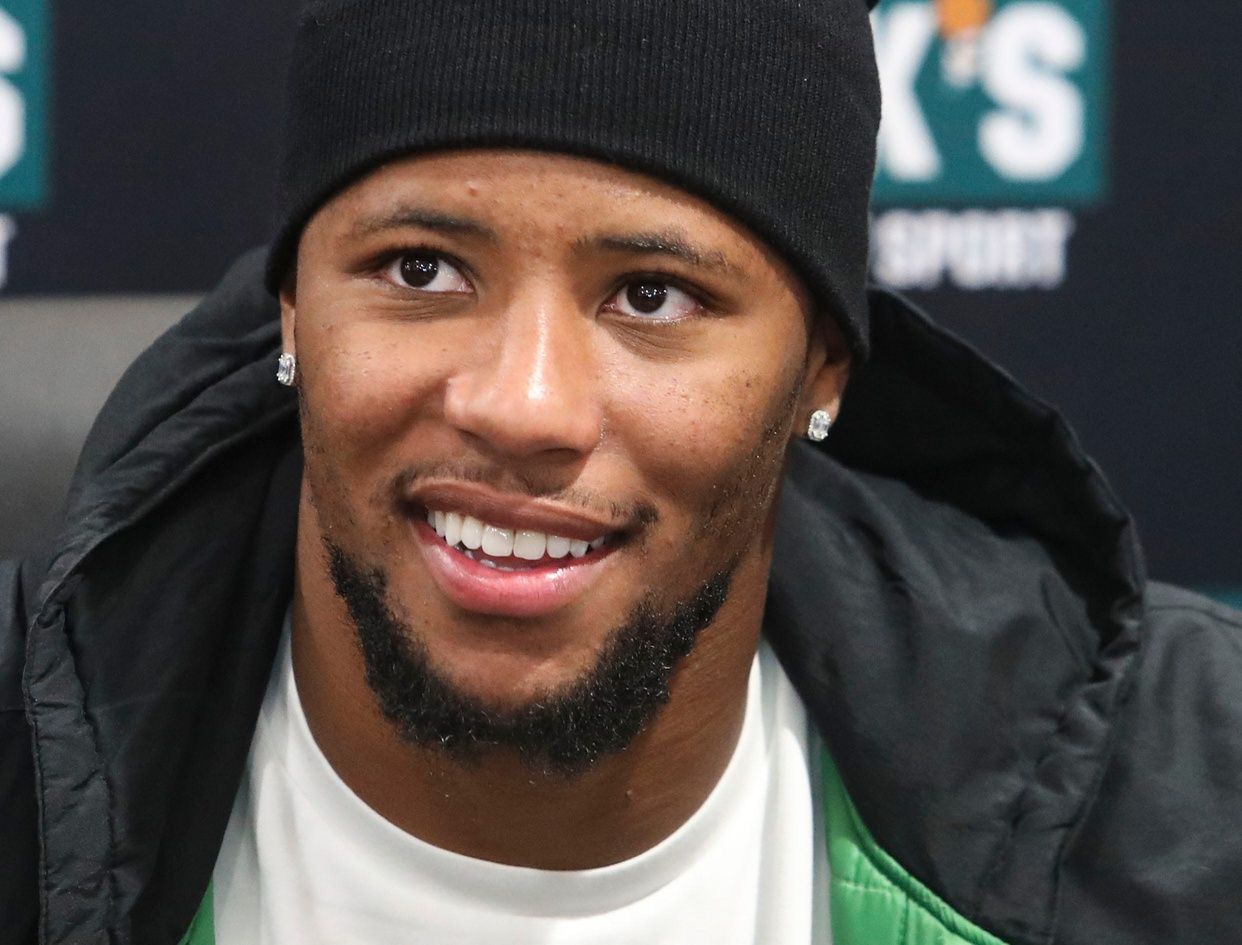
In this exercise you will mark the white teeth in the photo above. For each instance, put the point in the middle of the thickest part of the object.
(471, 533)
(529, 545)
(497, 542)
(452, 529)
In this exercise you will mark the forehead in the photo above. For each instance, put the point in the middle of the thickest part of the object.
(531, 178)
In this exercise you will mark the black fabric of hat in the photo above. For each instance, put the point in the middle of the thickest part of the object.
(766, 108)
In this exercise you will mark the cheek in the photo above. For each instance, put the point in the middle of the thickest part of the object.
(366, 385)
(710, 442)
(368, 393)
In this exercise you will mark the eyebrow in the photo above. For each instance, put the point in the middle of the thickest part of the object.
(658, 243)
(662, 243)
(406, 216)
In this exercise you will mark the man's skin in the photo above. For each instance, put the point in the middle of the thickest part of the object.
(524, 384)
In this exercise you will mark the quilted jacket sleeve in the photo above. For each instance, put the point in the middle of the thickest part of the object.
(18, 811)
(1159, 858)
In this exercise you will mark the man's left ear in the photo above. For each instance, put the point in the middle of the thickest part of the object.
(827, 373)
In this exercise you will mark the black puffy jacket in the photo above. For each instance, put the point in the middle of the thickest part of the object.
(1047, 740)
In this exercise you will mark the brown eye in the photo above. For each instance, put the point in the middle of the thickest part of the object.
(654, 300)
(418, 271)
(646, 297)
(427, 272)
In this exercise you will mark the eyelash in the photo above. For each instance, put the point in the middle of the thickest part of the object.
(701, 297)
(379, 264)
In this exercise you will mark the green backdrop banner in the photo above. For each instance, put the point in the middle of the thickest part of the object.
(24, 51)
(1007, 110)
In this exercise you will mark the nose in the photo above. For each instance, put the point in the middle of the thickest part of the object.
(533, 387)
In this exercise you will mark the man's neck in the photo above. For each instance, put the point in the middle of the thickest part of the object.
(496, 807)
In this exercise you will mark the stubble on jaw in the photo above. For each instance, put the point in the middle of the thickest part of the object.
(756, 481)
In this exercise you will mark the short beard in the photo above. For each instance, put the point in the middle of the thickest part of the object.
(561, 732)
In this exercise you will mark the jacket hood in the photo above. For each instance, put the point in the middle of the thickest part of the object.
(955, 593)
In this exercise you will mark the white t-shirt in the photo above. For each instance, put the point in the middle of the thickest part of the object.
(305, 860)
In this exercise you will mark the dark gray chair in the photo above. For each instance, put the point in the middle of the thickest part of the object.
(59, 359)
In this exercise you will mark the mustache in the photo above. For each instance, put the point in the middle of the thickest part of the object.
(635, 514)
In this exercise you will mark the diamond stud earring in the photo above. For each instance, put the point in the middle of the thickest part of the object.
(818, 428)
(286, 369)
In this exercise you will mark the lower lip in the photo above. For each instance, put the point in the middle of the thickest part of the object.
(528, 592)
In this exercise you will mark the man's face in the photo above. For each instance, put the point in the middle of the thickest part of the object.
(541, 395)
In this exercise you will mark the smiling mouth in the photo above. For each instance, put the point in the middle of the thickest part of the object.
(509, 555)
(511, 549)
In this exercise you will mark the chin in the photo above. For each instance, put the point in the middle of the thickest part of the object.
(562, 704)
(508, 680)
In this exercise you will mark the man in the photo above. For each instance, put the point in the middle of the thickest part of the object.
(562, 591)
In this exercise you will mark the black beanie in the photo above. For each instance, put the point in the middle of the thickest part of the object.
(768, 109)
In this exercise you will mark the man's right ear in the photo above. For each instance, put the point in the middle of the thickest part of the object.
(287, 363)
(288, 311)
